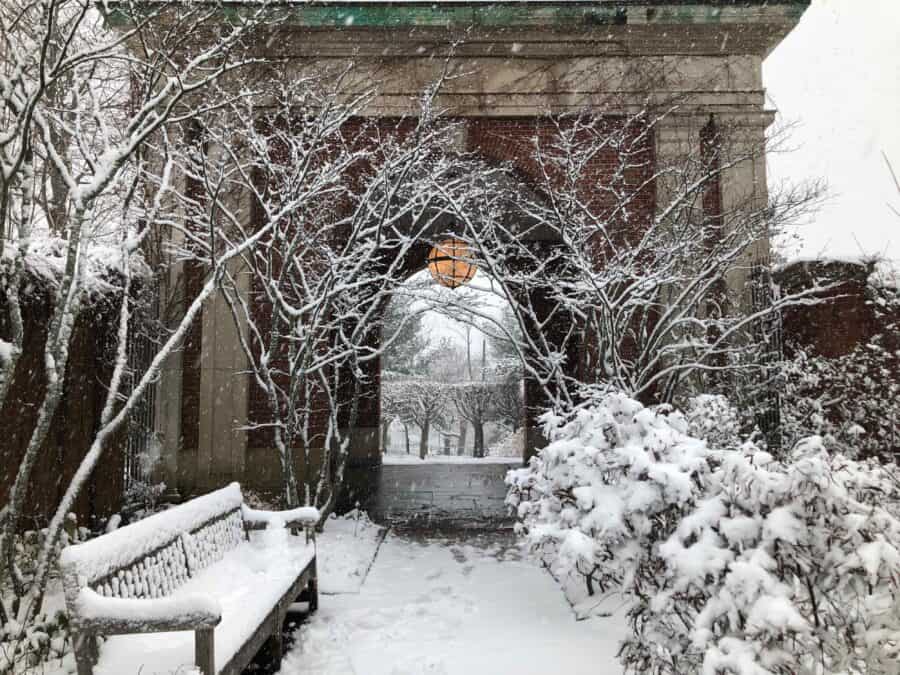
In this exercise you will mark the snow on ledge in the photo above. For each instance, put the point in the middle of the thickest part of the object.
(819, 260)
(883, 273)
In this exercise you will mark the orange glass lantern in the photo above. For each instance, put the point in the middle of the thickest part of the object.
(448, 264)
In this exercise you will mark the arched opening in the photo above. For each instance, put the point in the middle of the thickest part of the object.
(459, 351)
(452, 419)
(504, 241)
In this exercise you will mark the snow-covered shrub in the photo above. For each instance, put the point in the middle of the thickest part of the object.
(45, 647)
(614, 477)
(851, 401)
(731, 561)
(712, 418)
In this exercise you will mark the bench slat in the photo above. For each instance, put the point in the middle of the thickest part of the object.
(118, 616)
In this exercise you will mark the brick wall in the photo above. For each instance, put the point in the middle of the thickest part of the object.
(843, 320)
(77, 416)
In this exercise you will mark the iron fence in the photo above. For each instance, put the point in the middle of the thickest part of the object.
(141, 443)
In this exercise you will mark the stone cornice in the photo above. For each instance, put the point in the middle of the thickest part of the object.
(535, 14)
(629, 26)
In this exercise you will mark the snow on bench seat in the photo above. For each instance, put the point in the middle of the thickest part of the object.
(247, 583)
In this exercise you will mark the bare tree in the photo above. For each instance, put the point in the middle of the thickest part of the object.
(425, 402)
(475, 403)
(606, 290)
(90, 115)
(358, 199)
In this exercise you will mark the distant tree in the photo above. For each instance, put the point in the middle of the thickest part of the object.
(505, 338)
(475, 403)
(446, 361)
(420, 402)
(407, 347)
(390, 411)
(463, 436)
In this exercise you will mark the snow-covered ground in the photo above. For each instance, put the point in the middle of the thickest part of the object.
(449, 459)
(345, 551)
(447, 605)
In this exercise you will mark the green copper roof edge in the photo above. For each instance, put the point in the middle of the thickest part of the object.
(513, 13)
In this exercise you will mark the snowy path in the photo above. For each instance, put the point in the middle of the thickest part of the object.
(447, 606)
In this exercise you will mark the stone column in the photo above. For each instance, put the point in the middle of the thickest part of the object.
(202, 399)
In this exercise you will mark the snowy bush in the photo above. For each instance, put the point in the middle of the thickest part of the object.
(712, 418)
(731, 561)
(852, 401)
(46, 646)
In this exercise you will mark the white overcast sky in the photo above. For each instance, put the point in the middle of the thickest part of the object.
(837, 77)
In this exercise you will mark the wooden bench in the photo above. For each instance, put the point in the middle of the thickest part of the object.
(206, 583)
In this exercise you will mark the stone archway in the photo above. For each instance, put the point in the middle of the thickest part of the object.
(450, 492)
(512, 71)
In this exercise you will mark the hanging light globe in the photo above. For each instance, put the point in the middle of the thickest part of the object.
(448, 263)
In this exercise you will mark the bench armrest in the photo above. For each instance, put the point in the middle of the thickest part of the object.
(256, 519)
(115, 616)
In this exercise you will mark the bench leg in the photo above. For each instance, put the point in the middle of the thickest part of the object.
(86, 652)
(205, 650)
(273, 647)
(312, 589)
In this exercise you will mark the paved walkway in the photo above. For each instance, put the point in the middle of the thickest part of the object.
(448, 605)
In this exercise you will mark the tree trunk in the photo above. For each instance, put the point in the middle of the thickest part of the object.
(463, 433)
(469, 350)
(478, 449)
(385, 436)
(406, 435)
(423, 439)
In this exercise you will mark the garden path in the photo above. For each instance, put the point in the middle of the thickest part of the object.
(453, 604)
